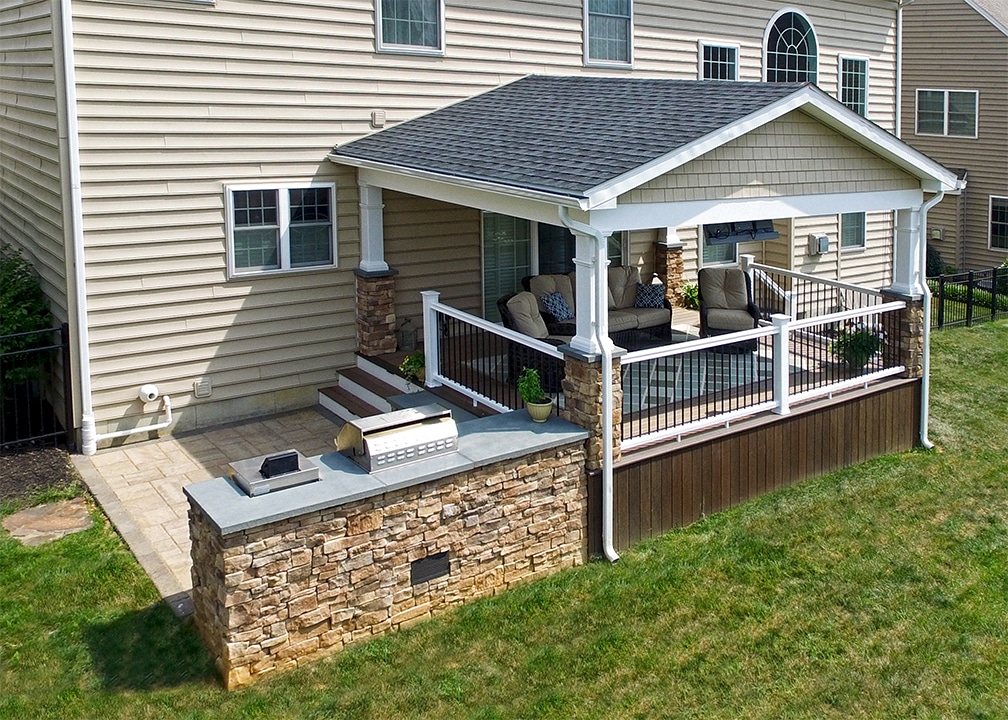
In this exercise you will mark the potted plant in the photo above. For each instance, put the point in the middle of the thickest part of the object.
(412, 367)
(538, 403)
(855, 346)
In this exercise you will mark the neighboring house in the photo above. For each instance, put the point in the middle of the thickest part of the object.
(166, 166)
(955, 109)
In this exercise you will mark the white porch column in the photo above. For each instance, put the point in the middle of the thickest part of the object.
(372, 232)
(590, 263)
(907, 273)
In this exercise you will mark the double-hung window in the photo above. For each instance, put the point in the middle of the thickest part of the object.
(854, 84)
(411, 26)
(852, 231)
(998, 223)
(608, 32)
(280, 228)
(718, 62)
(947, 112)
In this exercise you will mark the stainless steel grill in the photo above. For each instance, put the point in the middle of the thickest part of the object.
(265, 473)
(399, 437)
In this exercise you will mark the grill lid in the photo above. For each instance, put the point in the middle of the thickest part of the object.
(399, 437)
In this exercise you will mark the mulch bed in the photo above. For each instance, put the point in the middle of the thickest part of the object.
(33, 470)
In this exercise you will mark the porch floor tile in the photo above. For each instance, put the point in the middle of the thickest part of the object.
(139, 486)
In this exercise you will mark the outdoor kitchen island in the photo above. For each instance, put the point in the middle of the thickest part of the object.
(293, 574)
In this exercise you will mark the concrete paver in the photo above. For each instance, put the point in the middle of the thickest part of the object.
(139, 486)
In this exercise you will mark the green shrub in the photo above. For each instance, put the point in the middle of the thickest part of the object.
(858, 344)
(691, 296)
(24, 308)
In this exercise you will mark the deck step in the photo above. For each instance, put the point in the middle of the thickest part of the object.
(461, 401)
(344, 404)
(372, 390)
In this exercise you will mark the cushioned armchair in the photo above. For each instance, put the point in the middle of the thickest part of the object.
(726, 303)
(520, 312)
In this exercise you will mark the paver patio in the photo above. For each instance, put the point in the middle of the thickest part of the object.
(140, 485)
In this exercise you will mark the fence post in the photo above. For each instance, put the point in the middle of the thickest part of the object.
(941, 301)
(969, 299)
(781, 363)
(790, 306)
(430, 332)
(68, 415)
(993, 294)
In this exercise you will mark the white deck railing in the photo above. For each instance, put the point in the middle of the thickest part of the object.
(673, 390)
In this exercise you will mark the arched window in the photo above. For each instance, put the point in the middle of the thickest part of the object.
(792, 54)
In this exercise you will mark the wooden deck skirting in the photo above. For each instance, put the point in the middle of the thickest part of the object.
(676, 483)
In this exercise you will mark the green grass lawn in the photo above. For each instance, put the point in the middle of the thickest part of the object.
(880, 591)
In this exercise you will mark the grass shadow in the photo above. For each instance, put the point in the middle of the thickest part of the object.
(148, 649)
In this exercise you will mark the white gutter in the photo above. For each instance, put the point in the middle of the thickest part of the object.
(607, 380)
(926, 307)
(76, 220)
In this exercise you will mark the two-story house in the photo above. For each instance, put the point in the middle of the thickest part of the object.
(955, 109)
(169, 167)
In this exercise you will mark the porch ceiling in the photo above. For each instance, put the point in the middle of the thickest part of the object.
(583, 142)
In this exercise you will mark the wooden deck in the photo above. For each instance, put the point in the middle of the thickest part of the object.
(678, 482)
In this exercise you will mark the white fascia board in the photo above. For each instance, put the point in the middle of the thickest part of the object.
(996, 22)
(818, 105)
(482, 199)
(453, 189)
(700, 212)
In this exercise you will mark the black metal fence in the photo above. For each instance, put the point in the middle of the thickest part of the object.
(36, 400)
(969, 297)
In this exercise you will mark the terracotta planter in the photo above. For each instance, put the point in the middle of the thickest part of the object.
(539, 411)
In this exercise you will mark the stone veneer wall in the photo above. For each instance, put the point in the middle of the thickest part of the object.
(910, 334)
(275, 596)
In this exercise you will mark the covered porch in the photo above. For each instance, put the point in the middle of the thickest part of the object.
(599, 156)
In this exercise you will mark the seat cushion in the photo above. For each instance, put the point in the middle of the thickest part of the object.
(622, 320)
(731, 320)
(623, 286)
(524, 309)
(723, 288)
(542, 285)
(653, 317)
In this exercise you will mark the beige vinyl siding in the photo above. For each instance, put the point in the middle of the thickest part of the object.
(973, 56)
(31, 202)
(434, 246)
(178, 100)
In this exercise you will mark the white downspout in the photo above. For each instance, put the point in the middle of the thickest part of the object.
(926, 308)
(76, 220)
(607, 380)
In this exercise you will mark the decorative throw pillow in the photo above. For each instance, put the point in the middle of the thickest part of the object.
(556, 306)
(650, 296)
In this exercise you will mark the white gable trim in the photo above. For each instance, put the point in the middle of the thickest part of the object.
(821, 107)
(996, 22)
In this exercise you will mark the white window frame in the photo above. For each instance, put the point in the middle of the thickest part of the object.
(382, 46)
(586, 42)
(703, 44)
(863, 240)
(990, 221)
(702, 242)
(766, 38)
(867, 79)
(945, 112)
(282, 188)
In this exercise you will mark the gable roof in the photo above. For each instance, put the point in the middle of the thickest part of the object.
(563, 135)
(582, 141)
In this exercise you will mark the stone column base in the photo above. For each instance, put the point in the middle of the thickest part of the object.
(906, 332)
(582, 389)
(669, 267)
(376, 317)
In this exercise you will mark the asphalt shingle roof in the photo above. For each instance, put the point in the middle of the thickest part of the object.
(564, 135)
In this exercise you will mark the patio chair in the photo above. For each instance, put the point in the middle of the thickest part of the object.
(520, 312)
(726, 304)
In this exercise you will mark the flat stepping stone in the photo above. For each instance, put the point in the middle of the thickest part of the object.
(45, 523)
